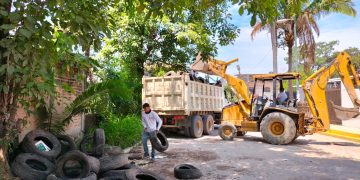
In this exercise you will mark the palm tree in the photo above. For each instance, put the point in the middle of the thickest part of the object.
(304, 13)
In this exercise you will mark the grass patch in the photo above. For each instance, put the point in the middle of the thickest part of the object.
(122, 131)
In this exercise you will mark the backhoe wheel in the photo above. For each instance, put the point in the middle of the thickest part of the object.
(227, 131)
(196, 128)
(278, 128)
(208, 122)
(241, 133)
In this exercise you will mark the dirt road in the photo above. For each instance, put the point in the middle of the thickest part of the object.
(310, 157)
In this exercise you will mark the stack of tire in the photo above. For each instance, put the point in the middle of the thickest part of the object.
(65, 161)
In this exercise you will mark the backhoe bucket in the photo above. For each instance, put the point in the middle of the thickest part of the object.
(344, 113)
(200, 66)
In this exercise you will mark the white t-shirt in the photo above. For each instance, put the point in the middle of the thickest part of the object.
(282, 96)
(149, 121)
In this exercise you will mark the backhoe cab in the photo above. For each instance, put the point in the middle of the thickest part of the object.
(281, 120)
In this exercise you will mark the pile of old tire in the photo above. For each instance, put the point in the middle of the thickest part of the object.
(60, 159)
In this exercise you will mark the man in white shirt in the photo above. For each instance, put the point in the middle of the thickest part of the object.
(151, 123)
(281, 97)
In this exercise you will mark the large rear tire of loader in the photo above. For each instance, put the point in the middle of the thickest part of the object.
(227, 131)
(278, 128)
(196, 128)
(208, 123)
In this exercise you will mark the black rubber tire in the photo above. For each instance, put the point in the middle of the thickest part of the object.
(208, 123)
(92, 176)
(289, 128)
(99, 142)
(28, 144)
(136, 174)
(160, 142)
(196, 128)
(128, 166)
(187, 171)
(94, 164)
(67, 144)
(241, 133)
(112, 150)
(114, 175)
(108, 163)
(73, 156)
(29, 166)
(227, 131)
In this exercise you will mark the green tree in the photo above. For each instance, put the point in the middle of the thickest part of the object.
(37, 40)
(324, 53)
(305, 14)
(165, 37)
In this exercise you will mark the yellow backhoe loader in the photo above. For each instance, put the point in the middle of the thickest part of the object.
(282, 122)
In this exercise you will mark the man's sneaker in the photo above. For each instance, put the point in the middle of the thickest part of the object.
(152, 159)
(146, 156)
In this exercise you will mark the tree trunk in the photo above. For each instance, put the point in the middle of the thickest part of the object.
(273, 33)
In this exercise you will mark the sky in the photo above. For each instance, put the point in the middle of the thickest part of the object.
(255, 56)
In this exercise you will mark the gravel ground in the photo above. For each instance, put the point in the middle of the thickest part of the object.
(311, 157)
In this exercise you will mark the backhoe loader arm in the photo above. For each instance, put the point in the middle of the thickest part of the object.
(314, 89)
(218, 67)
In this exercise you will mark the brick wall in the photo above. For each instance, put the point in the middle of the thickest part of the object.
(75, 127)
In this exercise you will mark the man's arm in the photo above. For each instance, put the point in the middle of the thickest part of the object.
(143, 121)
(159, 121)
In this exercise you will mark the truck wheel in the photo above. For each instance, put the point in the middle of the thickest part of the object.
(278, 128)
(227, 131)
(196, 128)
(208, 123)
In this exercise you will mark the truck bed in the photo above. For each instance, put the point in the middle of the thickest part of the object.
(178, 95)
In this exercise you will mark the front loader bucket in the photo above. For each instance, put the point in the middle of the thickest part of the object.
(344, 113)
(200, 66)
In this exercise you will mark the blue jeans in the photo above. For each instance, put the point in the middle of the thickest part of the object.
(145, 138)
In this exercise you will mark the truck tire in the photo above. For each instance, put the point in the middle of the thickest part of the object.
(108, 163)
(74, 156)
(136, 174)
(196, 128)
(67, 143)
(92, 176)
(99, 142)
(187, 171)
(29, 166)
(159, 142)
(227, 131)
(28, 144)
(94, 164)
(208, 123)
(278, 128)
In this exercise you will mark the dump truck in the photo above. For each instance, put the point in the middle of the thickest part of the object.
(184, 102)
(282, 123)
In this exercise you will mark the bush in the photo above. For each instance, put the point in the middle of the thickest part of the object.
(123, 132)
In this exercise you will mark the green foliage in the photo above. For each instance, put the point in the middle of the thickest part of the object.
(95, 100)
(123, 132)
(38, 41)
(230, 95)
(325, 53)
(171, 35)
